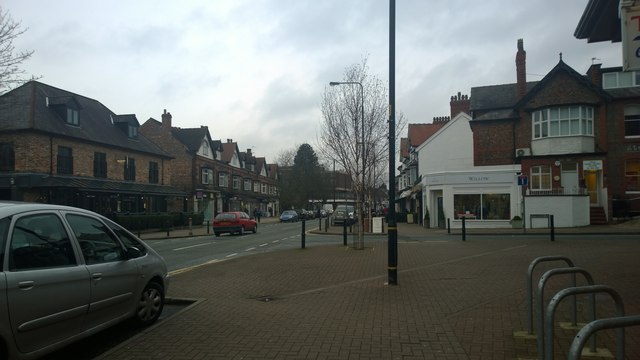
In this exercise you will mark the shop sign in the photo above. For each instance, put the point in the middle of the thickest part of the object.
(592, 165)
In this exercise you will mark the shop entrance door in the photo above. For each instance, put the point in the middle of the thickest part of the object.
(591, 183)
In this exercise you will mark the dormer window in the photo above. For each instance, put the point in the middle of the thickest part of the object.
(67, 107)
(133, 132)
(72, 117)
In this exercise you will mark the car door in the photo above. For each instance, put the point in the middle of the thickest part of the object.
(47, 289)
(114, 278)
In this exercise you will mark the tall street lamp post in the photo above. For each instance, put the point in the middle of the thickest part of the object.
(360, 244)
(392, 230)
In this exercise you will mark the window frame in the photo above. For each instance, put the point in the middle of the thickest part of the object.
(559, 121)
(64, 165)
(538, 178)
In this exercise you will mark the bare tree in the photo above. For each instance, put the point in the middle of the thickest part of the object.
(340, 135)
(10, 59)
(355, 130)
(285, 157)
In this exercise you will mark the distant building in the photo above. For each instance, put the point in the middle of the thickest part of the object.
(215, 176)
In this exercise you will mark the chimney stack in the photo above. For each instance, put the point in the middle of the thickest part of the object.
(166, 121)
(459, 103)
(521, 70)
(595, 74)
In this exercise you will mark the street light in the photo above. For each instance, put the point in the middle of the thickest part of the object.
(360, 204)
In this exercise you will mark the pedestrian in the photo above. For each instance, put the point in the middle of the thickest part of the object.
(256, 214)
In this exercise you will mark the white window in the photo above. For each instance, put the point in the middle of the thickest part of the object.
(563, 121)
(223, 180)
(263, 188)
(247, 184)
(207, 176)
(236, 182)
(256, 186)
(621, 79)
(540, 178)
(205, 148)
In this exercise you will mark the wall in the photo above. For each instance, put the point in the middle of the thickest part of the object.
(567, 211)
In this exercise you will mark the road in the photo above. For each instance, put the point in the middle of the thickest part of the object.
(184, 253)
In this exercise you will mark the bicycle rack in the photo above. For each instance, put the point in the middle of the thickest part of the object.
(540, 302)
(551, 309)
(601, 324)
(532, 266)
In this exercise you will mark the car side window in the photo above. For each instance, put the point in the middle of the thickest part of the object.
(127, 239)
(96, 241)
(4, 231)
(40, 241)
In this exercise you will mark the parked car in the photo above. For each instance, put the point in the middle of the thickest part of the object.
(234, 222)
(344, 214)
(67, 273)
(289, 216)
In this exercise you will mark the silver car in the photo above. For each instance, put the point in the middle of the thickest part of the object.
(67, 273)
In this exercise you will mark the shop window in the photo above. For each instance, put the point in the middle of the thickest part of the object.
(482, 206)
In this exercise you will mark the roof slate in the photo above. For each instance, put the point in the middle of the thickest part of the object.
(25, 108)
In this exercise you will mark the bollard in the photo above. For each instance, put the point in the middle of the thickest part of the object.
(303, 235)
(190, 229)
(448, 225)
(207, 226)
(326, 224)
(464, 230)
(552, 228)
(320, 223)
(344, 233)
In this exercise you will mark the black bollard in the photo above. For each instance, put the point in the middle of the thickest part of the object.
(320, 223)
(344, 233)
(464, 230)
(207, 226)
(552, 228)
(326, 224)
(448, 225)
(303, 235)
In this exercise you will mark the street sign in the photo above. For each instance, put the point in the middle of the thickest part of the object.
(523, 180)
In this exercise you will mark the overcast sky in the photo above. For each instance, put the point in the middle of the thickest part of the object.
(255, 70)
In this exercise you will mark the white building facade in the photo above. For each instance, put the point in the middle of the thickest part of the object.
(453, 188)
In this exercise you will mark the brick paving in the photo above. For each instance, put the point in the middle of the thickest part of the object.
(454, 300)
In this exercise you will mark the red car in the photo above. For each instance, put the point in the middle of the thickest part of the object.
(234, 222)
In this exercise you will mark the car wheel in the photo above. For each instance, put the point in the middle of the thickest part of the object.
(255, 229)
(241, 230)
(150, 304)
(217, 234)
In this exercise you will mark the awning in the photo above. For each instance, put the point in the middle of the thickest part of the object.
(94, 185)
(404, 194)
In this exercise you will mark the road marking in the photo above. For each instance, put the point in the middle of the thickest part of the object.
(231, 255)
(189, 247)
(275, 241)
(265, 244)
(250, 249)
(183, 270)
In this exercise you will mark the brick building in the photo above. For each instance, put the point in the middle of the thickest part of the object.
(64, 148)
(216, 176)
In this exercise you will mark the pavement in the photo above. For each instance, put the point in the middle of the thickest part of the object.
(453, 299)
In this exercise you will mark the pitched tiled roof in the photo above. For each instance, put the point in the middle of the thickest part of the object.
(25, 108)
(191, 138)
(228, 149)
(418, 133)
(495, 96)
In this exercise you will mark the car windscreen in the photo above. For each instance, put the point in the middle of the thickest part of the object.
(226, 216)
